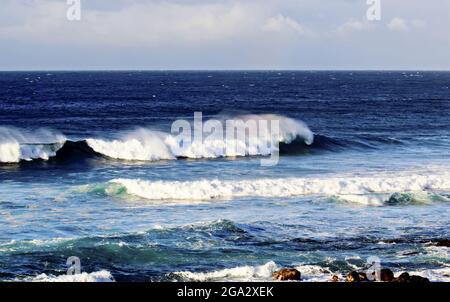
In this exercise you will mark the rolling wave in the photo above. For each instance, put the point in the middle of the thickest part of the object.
(143, 144)
(376, 190)
(23, 145)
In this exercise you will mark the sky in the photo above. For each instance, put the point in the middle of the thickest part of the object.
(224, 34)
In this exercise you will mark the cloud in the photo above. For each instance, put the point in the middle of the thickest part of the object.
(398, 24)
(402, 25)
(353, 26)
(138, 24)
(208, 34)
(281, 23)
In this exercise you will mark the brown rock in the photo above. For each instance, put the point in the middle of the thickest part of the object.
(356, 277)
(335, 278)
(352, 277)
(443, 242)
(287, 274)
(386, 275)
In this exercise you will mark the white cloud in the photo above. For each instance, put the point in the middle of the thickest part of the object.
(398, 24)
(282, 23)
(353, 25)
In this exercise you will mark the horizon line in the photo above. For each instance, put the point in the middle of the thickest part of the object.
(220, 69)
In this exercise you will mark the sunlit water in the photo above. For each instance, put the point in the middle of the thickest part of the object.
(374, 183)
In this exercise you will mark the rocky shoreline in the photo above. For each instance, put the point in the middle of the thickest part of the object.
(384, 275)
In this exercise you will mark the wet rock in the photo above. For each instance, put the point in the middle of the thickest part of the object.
(287, 274)
(386, 275)
(362, 276)
(352, 277)
(403, 278)
(356, 277)
(406, 278)
(335, 278)
(443, 243)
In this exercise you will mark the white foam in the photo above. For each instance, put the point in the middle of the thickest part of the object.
(435, 275)
(9, 152)
(311, 273)
(282, 187)
(100, 276)
(17, 145)
(148, 145)
(142, 144)
(241, 273)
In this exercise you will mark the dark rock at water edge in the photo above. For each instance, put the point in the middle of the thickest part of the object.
(443, 243)
(386, 275)
(356, 277)
(287, 274)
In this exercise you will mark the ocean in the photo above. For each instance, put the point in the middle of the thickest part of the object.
(88, 169)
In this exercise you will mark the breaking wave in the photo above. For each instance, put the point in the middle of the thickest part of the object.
(22, 145)
(377, 190)
(312, 273)
(147, 145)
(144, 144)
(100, 276)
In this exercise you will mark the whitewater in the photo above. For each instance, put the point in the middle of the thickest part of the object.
(143, 144)
(370, 190)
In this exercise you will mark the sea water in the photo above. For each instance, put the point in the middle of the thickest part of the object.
(88, 168)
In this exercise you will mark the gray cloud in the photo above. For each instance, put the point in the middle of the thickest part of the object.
(224, 34)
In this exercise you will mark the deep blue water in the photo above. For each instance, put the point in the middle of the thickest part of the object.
(375, 182)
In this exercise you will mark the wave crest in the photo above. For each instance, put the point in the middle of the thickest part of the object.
(17, 145)
(147, 145)
(377, 190)
(100, 276)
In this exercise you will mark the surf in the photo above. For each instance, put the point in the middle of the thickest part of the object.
(141, 144)
(373, 190)
(18, 145)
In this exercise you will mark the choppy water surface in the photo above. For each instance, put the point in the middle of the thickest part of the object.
(89, 168)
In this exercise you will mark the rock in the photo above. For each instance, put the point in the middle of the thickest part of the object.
(443, 243)
(287, 274)
(362, 276)
(403, 278)
(356, 277)
(386, 275)
(352, 277)
(418, 279)
(406, 278)
(335, 278)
